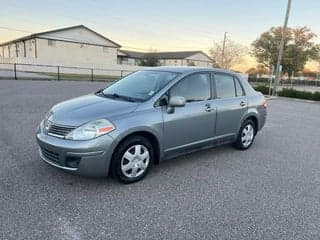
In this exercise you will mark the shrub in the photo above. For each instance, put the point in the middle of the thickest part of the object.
(292, 93)
(316, 96)
(262, 88)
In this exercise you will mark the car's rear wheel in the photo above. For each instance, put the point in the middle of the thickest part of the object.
(132, 159)
(246, 135)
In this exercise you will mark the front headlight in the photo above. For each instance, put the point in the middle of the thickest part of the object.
(48, 115)
(91, 130)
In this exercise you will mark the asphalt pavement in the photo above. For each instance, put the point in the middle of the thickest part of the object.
(270, 191)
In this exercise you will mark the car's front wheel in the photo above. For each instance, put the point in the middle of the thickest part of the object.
(132, 159)
(246, 135)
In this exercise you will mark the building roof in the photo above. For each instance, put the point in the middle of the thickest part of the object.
(34, 35)
(185, 69)
(164, 55)
(178, 54)
(134, 54)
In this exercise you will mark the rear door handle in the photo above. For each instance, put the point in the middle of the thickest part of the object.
(243, 103)
(208, 107)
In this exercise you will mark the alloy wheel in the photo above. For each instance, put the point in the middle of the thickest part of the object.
(247, 135)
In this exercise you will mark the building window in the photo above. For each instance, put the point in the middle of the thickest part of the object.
(51, 43)
(137, 62)
(105, 49)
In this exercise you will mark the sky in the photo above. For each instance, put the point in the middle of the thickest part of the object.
(160, 25)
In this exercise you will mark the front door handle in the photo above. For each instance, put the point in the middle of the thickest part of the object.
(243, 103)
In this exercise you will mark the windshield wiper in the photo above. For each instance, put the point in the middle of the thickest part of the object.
(116, 95)
(100, 92)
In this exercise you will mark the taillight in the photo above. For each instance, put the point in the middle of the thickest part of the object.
(265, 104)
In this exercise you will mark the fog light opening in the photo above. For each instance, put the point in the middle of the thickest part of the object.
(73, 162)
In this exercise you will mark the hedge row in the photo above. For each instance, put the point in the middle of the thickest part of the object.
(290, 92)
(262, 88)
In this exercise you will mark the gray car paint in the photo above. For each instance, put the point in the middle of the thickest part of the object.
(78, 111)
(189, 128)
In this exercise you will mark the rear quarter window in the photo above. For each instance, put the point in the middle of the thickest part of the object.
(239, 89)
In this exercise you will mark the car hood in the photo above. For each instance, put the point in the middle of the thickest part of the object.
(77, 111)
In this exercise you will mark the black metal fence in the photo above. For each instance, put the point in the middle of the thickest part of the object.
(24, 71)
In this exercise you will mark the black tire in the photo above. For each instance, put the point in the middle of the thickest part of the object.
(116, 162)
(239, 144)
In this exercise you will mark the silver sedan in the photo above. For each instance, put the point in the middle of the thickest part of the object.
(149, 116)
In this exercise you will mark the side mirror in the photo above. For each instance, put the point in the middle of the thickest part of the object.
(175, 101)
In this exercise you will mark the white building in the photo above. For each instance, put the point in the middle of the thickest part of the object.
(72, 46)
(181, 58)
(80, 46)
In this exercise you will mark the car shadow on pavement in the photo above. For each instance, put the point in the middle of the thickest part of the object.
(220, 157)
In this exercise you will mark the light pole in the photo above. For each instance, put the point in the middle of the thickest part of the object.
(223, 48)
(284, 29)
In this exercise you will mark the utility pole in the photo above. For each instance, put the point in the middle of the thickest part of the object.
(223, 48)
(284, 29)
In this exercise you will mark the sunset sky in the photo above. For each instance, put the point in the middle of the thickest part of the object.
(161, 25)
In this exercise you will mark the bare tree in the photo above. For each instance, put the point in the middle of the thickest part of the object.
(232, 53)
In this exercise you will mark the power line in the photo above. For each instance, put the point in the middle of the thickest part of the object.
(205, 34)
(142, 30)
(73, 39)
(14, 29)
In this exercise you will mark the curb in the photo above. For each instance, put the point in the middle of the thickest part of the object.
(271, 97)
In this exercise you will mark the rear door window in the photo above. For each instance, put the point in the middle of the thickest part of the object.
(224, 85)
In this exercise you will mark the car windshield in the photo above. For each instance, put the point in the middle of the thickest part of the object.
(139, 86)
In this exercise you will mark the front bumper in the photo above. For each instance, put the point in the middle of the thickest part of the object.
(88, 158)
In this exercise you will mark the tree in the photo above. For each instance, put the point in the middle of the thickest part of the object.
(191, 64)
(259, 70)
(298, 48)
(233, 53)
(251, 71)
(150, 59)
(309, 73)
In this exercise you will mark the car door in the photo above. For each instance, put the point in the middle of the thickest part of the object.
(193, 124)
(231, 104)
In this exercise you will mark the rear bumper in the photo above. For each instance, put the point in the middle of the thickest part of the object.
(262, 119)
(88, 158)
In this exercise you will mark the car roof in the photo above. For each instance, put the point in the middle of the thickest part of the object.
(189, 69)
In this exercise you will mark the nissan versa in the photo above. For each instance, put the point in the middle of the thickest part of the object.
(149, 116)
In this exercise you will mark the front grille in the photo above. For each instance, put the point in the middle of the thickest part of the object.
(58, 130)
(50, 155)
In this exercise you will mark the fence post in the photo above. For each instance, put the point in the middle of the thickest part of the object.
(15, 71)
(92, 74)
(58, 73)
